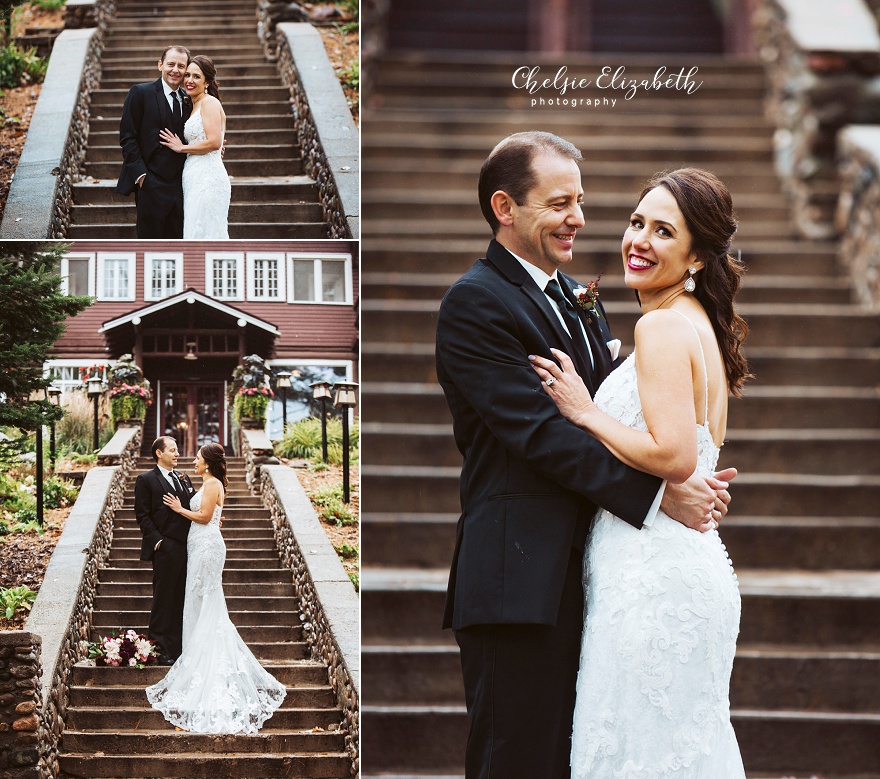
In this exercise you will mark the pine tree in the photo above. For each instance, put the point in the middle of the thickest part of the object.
(32, 315)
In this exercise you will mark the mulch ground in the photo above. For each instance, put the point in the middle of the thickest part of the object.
(24, 558)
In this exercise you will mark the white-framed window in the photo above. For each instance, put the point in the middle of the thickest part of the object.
(266, 277)
(322, 278)
(116, 273)
(224, 275)
(78, 274)
(66, 374)
(163, 274)
(300, 403)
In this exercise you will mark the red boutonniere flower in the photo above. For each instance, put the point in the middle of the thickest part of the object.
(588, 296)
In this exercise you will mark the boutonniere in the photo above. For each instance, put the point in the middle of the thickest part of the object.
(587, 297)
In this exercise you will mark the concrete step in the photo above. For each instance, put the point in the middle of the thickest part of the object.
(281, 133)
(315, 230)
(414, 489)
(130, 73)
(278, 603)
(301, 697)
(811, 609)
(242, 151)
(91, 718)
(426, 740)
(801, 366)
(166, 742)
(828, 451)
(776, 324)
(307, 672)
(763, 406)
(764, 677)
(195, 765)
(238, 212)
(407, 172)
(237, 556)
(426, 540)
(289, 189)
(230, 588)
(252, 635)
(605, 148)
(135, 619)
(235, 99)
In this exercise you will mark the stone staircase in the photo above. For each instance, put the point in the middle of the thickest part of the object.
(804, 533)
(271, 195)
(111, 729)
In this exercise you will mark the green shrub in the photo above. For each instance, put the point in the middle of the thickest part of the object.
(303, 439)
(351, 76)
(24, 516)
(347, 551)
(4, 528)
(251, 405)
(58, 492)
(14, 598)
(355, 578)
(19, 66)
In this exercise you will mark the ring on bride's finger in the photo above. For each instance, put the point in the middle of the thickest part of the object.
(550, 381)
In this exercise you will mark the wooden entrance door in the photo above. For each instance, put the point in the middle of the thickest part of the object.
(192, 412)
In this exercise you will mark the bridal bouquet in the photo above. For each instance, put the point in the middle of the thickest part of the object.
(124, 648)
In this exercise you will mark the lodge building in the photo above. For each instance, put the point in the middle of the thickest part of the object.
(189, 311)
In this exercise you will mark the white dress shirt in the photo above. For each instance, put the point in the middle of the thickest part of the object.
(541, 279)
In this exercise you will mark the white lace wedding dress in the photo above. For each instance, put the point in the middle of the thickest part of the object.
(216, 685)
(206, 188)
(662, 617)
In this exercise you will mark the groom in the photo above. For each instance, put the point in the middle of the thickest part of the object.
(164, 543)
(150, 170)
(531, 481)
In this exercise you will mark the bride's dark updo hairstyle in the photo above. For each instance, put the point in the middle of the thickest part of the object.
(215, 458)
(206, 65)
(707, 208)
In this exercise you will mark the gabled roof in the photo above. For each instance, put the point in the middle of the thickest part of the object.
(190, 295)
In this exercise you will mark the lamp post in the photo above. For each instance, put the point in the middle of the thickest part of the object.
(95, 385)
(282, 381)
(345, 398)
(39, 467)
(321, 391)
(55, 397)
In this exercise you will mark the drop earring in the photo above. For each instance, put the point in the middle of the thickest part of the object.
(690, 285)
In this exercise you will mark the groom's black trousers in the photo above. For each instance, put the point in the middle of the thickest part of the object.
(520, 688)
(169, 590)
(159, 205)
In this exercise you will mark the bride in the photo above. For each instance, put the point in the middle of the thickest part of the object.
(662, 603)
(216, 685)
(206, 187)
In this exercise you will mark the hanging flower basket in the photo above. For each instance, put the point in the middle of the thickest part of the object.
(250, 406)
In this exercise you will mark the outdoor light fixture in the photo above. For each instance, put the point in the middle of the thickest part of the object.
(321, 391)
(95, 388)
(345, 398)
(190, 351)
(55, 397)
(282, 381)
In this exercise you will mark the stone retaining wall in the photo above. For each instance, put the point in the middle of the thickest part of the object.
(822, 62)
(257, 449)
(58, 626)
(329, 605)
(326, 131)
(858, 214)
(20, 672)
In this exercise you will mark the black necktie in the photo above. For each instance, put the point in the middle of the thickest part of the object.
(175, 99)
(554, 291)
(178, 488)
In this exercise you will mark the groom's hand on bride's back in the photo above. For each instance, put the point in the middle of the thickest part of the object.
(699, 503)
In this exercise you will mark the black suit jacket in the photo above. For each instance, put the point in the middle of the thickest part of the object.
(156, 520)
(145, 113)
(530, 480)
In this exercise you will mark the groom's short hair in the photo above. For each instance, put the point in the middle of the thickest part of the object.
(176, 48)
(161, 443)
(508, 167)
